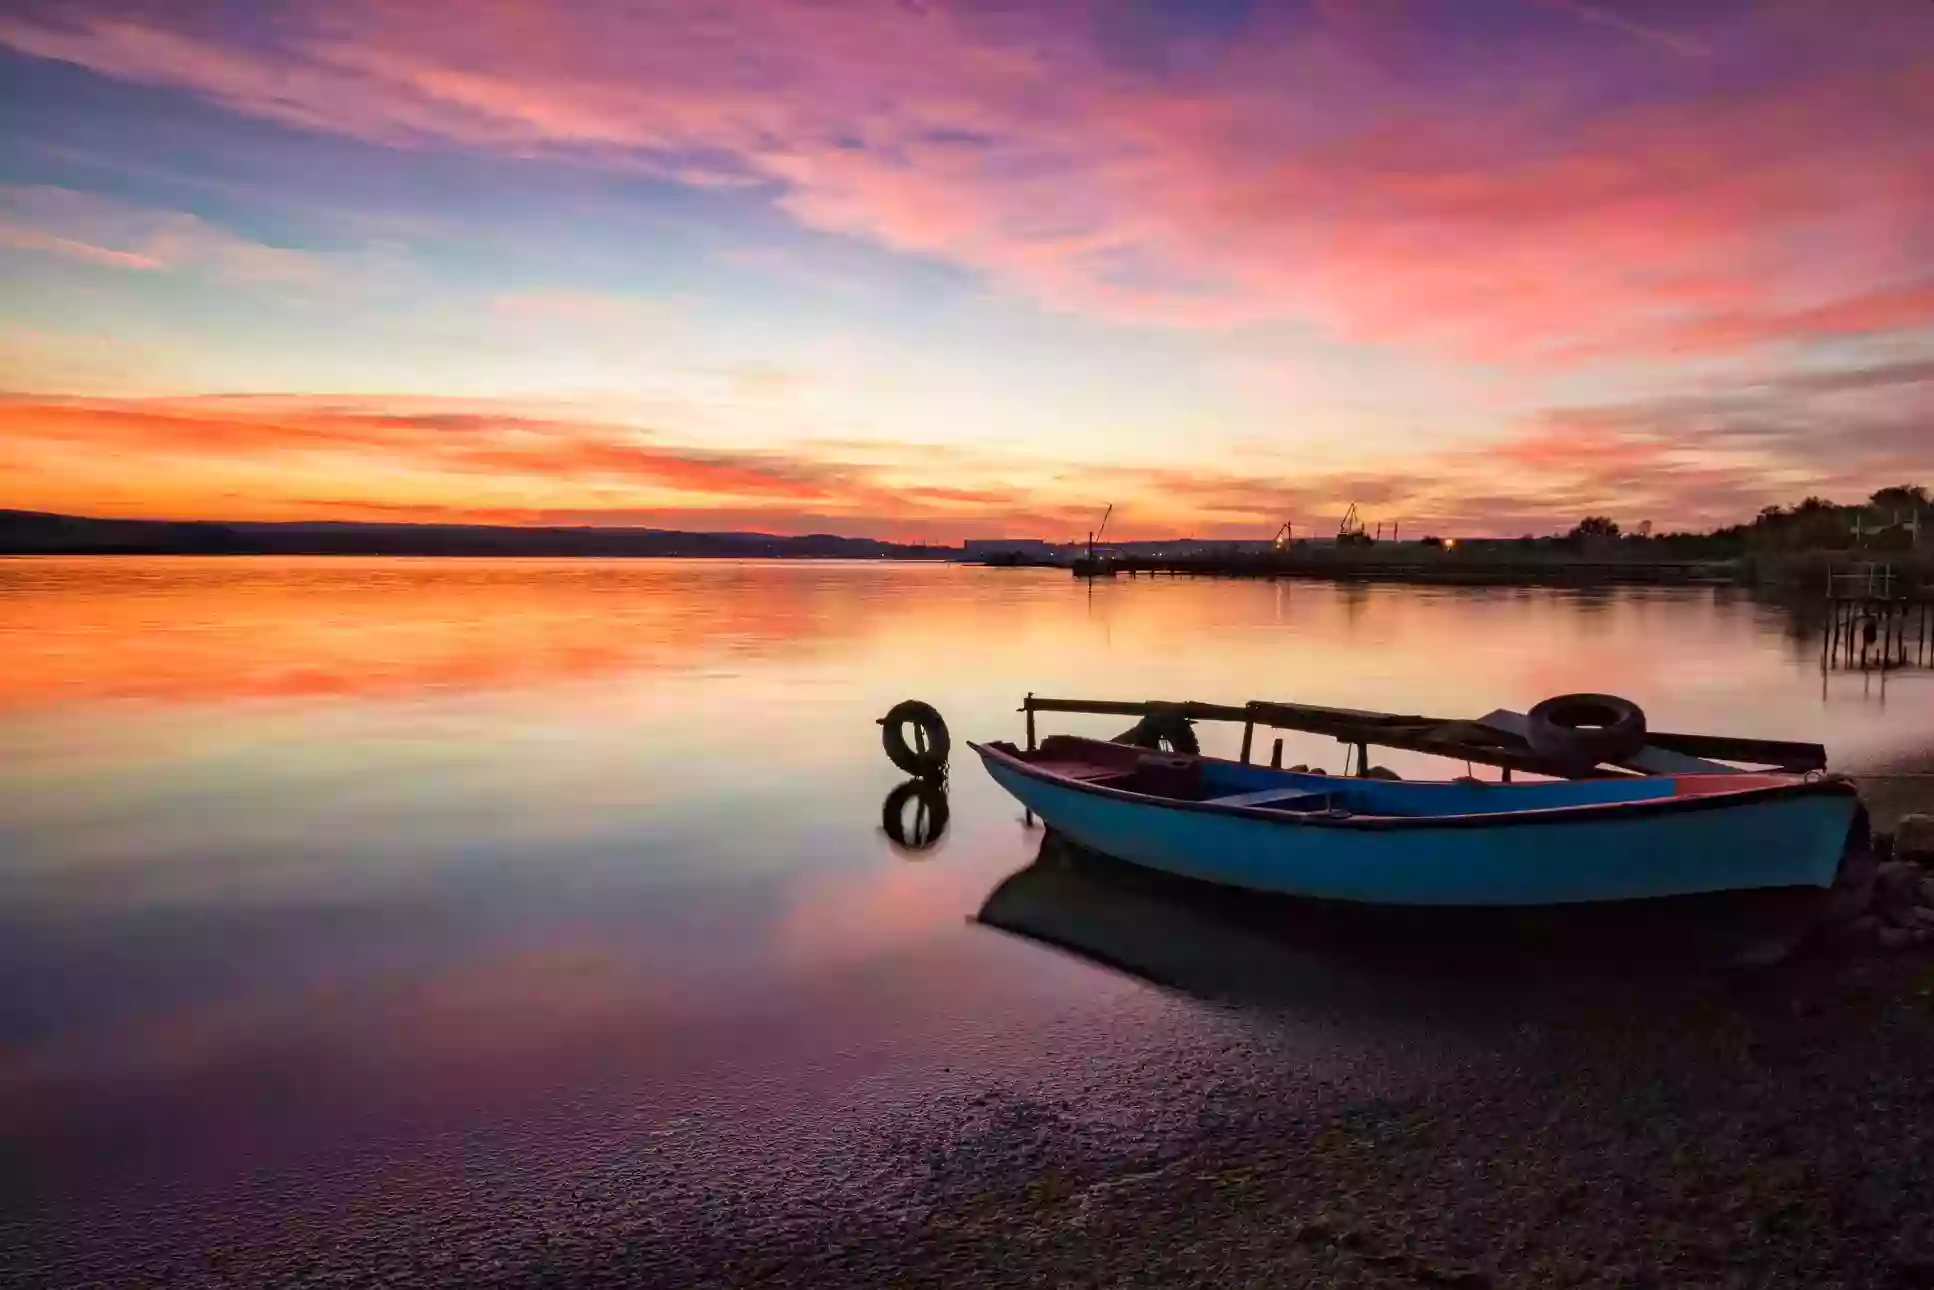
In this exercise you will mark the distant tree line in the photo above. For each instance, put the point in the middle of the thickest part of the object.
(1887, 521)
(41, 533)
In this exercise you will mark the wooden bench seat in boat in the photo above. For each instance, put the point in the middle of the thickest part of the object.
(1282, 799)
(1087, 772)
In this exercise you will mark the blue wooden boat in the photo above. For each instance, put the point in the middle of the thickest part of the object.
(1464, 842)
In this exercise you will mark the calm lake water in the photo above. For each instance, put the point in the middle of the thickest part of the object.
(334, 886)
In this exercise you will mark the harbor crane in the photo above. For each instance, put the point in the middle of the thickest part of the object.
(1351, 532)
(1095, 534)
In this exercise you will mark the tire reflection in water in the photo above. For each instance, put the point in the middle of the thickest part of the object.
(914, 816)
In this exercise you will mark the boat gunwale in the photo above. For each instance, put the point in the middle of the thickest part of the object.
(1829, 786)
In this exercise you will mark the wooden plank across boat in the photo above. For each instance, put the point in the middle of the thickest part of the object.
(1482, 741)
(1590, 832)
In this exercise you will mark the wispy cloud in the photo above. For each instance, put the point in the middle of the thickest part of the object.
(33, 239)
(1605, 16)
(98, 230)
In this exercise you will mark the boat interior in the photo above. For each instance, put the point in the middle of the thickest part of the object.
(1231, 783)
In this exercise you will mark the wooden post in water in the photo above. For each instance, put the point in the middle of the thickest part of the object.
(1027, 706)
(1276, 756)
(1248, 733)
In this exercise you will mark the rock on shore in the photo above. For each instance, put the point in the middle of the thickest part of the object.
(1885, 894)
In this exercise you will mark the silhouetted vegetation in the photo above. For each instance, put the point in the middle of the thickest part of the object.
(39, 533)
(1594, 527)
(1885, 522)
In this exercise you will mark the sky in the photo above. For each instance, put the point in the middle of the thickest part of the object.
(921, 270)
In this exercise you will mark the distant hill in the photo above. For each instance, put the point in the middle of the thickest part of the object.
(41, 533)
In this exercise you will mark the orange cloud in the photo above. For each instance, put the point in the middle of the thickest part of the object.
(1713, 455)
(293, 457)
(80, 438)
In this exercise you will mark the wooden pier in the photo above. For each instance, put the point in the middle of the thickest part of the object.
(1876, 621)
(1449, 567)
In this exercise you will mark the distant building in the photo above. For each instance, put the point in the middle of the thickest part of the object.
(1031, 548)
(1184, 547)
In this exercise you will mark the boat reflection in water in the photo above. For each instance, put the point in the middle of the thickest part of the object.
(1244, 947)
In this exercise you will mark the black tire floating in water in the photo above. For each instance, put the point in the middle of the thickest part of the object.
(928, 822)
(926, 754)
(1162, 732)
(1586, 729)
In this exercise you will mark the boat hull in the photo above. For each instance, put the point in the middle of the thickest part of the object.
(1777, 840)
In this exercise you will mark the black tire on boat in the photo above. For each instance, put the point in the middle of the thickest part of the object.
(1586, 729)
(926, 755)
(1162, 732)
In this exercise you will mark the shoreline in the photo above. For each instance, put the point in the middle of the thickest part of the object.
(1897, 786)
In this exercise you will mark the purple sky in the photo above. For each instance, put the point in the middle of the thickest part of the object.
(920, 269)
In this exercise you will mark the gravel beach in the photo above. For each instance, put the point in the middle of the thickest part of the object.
(1776, 1130)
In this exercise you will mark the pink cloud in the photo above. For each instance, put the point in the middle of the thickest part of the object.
(1310, 172)
(1900, 308)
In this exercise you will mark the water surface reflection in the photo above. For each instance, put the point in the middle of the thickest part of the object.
(505, 868)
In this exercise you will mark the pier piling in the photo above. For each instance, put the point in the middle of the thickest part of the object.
(1876, 621)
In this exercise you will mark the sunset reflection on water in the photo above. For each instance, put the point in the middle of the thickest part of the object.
(299, 853)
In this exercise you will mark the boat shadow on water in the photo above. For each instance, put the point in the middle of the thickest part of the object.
(1246, 948)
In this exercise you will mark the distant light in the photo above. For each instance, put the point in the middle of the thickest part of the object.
(1449, 543)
